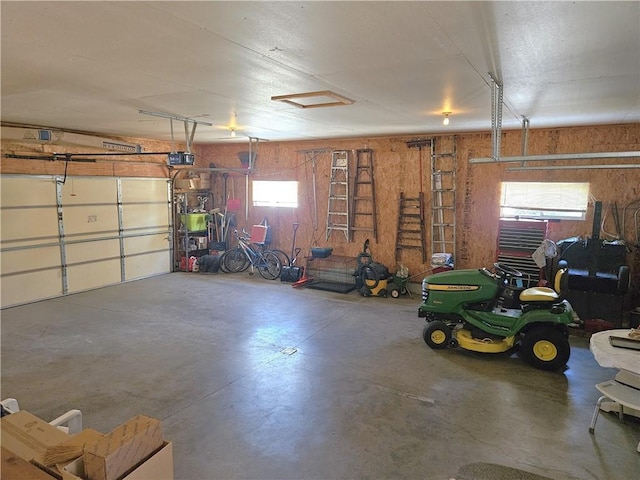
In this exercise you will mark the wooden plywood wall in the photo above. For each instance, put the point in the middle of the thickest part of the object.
(397, 169)
(125, 166)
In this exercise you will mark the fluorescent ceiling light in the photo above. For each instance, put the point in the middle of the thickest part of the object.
(325, 98)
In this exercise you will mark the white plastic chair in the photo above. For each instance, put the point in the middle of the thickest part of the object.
(69, 422)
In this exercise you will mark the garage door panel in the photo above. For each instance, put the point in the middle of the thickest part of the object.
(144, 190)
(88, 251)
(83, 190)
(29, 223)
(140, 266)
(32, 250)
(153, 215)
(29, 259)
(93, 275)
(89, 219)
(29, 287)
(41, 191)
(147, 243)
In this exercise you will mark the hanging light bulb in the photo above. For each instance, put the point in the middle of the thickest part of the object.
(233, 132)
(445, 120)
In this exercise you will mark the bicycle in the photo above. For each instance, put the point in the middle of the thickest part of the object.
(247, 254)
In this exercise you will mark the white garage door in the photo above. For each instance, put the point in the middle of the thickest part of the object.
(62, 236)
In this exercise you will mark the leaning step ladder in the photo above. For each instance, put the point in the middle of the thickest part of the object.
(363, 201)
(443, 196)
(338, 206)
(410, 232)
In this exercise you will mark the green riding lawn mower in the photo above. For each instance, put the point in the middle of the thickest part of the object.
(493, 312)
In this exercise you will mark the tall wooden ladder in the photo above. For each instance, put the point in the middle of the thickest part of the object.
(363, 201)
(338, 207)
(411, 232)
(443, 196)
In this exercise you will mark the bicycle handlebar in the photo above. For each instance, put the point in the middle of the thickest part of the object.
(246, 236)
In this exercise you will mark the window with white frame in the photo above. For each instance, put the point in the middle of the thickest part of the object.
(266, 193)
(544, 200)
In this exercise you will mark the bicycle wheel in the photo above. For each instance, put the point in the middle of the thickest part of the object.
(269, 266)
(235, 261)
(285, 261)
(223, 268)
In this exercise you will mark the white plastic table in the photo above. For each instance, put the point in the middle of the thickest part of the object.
(626, 360)
(615, 357)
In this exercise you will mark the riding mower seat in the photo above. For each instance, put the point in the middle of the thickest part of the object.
(546, 294)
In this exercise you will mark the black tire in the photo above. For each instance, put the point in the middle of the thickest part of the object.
(235, 261)
(269, 266)
(395, 293)
(223, 269)
(285, 261)
(436, 334)
(624, 279)
(546, 348)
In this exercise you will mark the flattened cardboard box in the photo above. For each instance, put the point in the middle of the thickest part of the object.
(13, 467)
(123, 448)
(72, 447)
(28, 436)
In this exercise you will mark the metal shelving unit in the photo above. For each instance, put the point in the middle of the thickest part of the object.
(190, 241)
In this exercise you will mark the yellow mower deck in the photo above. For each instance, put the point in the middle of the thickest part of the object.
(466, 341)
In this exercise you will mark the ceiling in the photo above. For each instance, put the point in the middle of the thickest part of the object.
(92, 66)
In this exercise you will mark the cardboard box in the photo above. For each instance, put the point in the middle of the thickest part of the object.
(202, 242)
(15, 468)
(182, 184)
(205, 181)
(72, 447)
(28, 436)
(158, 466)
(122, 449)
(201, 182)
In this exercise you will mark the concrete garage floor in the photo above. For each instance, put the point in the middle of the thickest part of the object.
(362, 396)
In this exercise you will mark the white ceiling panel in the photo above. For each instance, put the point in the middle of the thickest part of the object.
(92, 66)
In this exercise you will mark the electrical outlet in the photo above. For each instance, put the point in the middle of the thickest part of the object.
(92, 218)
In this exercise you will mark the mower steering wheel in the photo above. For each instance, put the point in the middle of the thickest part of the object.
(507, 270)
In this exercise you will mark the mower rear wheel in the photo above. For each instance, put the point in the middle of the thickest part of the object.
(436, 334)
(545, 348)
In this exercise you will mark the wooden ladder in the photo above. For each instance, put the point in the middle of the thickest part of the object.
(443, 197)
(338, 206)
(411, 233)
(363, 201)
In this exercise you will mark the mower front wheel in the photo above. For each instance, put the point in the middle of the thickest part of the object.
(545, 348)
(436, 334)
